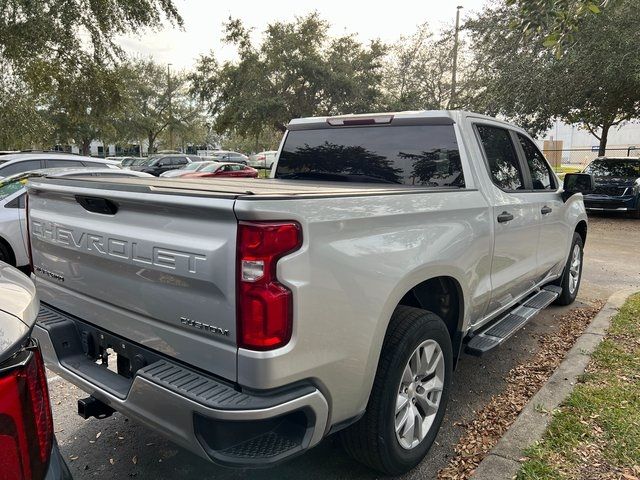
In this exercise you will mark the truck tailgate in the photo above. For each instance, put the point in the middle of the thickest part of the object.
(157, 269)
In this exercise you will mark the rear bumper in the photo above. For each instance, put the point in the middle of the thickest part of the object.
(212, 418)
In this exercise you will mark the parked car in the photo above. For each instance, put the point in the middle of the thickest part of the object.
(23, 162)
(188, 168)
(159, 164)
(128, 161)
(229, 156)
(28, 449)
(617, 185)
(13, 228)
(223, 170)
(335, 297)
(263, 159)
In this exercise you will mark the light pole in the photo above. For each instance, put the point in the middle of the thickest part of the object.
(452, 97)
(169, 93)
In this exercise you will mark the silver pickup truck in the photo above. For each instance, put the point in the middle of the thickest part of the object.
(248, 319)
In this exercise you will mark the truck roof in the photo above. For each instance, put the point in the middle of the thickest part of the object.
(406, 117)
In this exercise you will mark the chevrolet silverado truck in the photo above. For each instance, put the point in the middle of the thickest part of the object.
(248, 319)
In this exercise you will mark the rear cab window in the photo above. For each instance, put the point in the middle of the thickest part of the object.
(415, 155)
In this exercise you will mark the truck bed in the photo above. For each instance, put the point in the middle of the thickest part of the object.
(245, 188)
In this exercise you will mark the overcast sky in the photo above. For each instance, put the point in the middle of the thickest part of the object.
(203, 21)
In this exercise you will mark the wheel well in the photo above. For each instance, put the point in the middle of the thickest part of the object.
(442, 296)
(581, 229)
(7, 246)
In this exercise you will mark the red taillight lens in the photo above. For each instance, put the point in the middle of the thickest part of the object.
(26, 427)
(265, 306)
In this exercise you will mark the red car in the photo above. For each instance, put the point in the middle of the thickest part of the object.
(224, 170)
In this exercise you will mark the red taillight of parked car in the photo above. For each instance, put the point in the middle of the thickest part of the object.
(265, 306)
(26, 427)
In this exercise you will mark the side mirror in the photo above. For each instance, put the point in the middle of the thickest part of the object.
(577, 183)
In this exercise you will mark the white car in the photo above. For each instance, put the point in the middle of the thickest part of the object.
(14, 163)
(263, 159)
(13, 230)
(188, 168)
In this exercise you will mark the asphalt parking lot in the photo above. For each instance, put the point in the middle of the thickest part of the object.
(120, 448)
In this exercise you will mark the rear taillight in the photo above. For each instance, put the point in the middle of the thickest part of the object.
(265, 306)
(26, 428)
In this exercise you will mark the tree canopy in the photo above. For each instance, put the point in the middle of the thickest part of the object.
(298, 70)
(553, 22)
(59, 29)
(595, 83)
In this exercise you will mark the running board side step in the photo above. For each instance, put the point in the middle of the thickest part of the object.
(497, 332)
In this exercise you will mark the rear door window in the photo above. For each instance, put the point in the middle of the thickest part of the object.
(501, 156)
(56, 163)
(541, 175)
(417, 155)
(19, 167)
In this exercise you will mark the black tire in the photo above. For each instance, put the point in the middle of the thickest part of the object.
(6, 255)
(372, 440)
(567, 297)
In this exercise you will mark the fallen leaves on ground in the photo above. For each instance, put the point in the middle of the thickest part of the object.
(523, 381)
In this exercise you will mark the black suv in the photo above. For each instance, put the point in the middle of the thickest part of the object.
(163, 163)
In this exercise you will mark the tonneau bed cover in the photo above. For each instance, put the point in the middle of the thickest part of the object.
(245, 188)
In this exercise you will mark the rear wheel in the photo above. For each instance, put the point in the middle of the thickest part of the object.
(409, 394)
(572, 275)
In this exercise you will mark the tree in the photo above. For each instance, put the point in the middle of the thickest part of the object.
(155, 102)
(554, 22)
(268, 139)
(595, 83)
(84, 103)
(298, 70)
(42, 40)
(418, 71)
(24, 123)
(60, 29)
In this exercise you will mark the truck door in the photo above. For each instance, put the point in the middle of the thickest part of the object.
(516, 218)
(555, 232)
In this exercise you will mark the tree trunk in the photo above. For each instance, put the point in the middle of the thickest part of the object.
(151, 138)
(603, 140)
(86, 146)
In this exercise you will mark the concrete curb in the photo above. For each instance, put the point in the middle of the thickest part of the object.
(504, 460)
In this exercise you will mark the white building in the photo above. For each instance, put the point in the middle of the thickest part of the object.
(578, 146)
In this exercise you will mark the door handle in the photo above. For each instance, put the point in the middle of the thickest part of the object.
(505, 217)
(546, 210)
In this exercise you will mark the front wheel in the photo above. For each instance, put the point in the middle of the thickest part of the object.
(409, 395)
(572, 274)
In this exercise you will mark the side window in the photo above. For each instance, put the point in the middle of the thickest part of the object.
(8, 189)
(93, 164)
(540, 172)
(179, 161)
(55, 163)
(502, 158)
(18, 202)
(20, 167)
